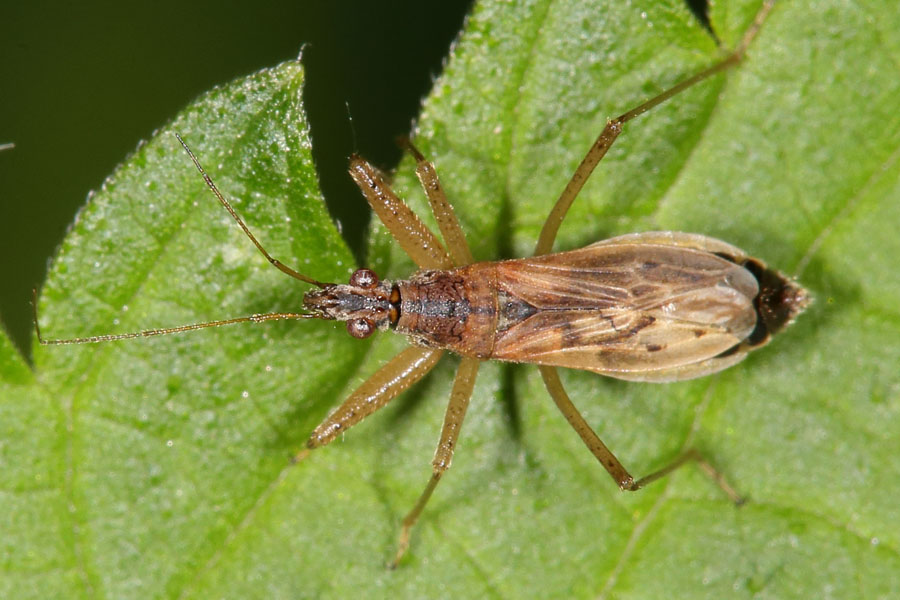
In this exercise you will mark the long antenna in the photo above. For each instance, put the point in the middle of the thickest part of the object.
(258, 318)
(212, 186)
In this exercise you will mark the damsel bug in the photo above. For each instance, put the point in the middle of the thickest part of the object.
(655, 306)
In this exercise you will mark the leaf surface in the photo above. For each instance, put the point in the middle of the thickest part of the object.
(160, 467)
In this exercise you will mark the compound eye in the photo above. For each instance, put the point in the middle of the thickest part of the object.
(364, 278)
(360, 328)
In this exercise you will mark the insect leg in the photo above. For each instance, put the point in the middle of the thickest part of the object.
(383, 386)
(614, 128)
(456, 412)
(414, 237)
(443, 212)
(692, 454)
(612, 465)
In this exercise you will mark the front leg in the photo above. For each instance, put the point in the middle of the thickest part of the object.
(419, 242)
(384, 385)
(443, 212)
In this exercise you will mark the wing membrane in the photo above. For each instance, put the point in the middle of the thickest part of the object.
(624, 309)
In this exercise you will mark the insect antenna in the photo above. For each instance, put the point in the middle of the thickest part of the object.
(257, 318)
(352, 127)
(212, 186)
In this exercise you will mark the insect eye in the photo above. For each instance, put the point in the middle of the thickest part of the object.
(364, 278)
(360, 328)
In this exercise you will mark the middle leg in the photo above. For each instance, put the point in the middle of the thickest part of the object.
(456, 412)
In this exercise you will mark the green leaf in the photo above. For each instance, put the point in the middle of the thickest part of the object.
(164, 445)
(159, 467)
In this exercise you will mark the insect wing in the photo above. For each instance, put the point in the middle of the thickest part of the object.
(630, 310)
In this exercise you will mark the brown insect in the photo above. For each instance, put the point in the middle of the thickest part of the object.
(655, 306)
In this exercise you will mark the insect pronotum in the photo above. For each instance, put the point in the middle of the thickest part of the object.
(654, 306)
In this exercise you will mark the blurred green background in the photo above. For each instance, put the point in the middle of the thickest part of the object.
(83, 83)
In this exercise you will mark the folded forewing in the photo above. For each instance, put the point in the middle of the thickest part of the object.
(625, 308)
